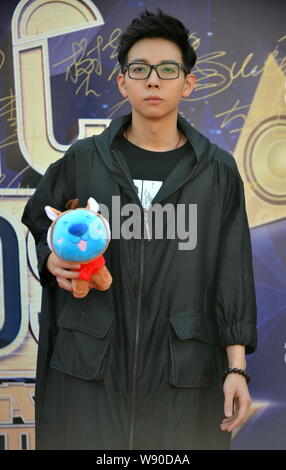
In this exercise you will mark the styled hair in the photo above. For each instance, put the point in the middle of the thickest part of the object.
(156, 25)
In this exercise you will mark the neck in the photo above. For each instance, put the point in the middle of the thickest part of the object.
(155, 134)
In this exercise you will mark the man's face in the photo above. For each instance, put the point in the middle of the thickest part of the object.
(170, 92)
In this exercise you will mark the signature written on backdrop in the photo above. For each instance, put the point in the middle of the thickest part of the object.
(213, 75)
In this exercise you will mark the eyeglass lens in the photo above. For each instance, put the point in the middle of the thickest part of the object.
(164, 70)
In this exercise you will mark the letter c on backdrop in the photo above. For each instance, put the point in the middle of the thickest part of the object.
(34, 21)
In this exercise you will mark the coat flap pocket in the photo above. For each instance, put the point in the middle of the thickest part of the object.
(87, 317)
(194, 325)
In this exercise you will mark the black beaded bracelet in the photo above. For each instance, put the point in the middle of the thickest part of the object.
(238, 371)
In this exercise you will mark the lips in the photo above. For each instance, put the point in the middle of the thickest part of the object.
(153, 98)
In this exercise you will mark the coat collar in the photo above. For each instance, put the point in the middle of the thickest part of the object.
(106, 145)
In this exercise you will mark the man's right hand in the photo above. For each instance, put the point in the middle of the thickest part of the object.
(62, 270)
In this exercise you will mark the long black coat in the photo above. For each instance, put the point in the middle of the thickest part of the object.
(139, 366)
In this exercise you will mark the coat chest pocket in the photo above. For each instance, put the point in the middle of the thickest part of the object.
(193, 350)
(82, 346)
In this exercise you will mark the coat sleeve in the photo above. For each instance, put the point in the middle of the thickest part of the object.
(235, 304)
(54, 190)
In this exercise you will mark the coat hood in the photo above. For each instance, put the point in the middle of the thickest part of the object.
(110, 153)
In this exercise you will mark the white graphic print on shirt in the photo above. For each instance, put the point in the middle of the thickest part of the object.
(147, 190)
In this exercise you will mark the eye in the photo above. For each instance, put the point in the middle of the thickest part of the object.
(168, 69)
(138, 68)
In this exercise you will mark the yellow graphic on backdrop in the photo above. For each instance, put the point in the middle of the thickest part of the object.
(17, 416)
(34, 21)
(21, 268)
(261, 148)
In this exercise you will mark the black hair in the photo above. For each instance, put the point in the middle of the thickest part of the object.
(154, 25)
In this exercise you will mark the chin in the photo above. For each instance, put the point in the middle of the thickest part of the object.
(152, 113)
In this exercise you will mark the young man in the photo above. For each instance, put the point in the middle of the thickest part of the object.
(140, 366)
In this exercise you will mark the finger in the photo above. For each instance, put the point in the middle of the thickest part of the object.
(61, 263)
(228, 404)
(234, 415)
(224, 429)
(227, 420)
(227, 427)
(64, 284)
(241, 417)
(66, 274)
(68, 266)
(238, 420)
(71, 265)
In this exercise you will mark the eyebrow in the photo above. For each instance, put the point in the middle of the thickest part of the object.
(168, 61)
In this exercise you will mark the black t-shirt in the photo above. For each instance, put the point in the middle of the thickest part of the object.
(148, 168)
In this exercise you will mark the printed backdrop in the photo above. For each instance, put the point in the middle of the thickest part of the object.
(58, 67)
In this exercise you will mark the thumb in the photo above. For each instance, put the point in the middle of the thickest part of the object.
(228, 404)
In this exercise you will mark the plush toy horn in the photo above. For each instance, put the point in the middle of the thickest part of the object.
(51, 212)
(92, 205)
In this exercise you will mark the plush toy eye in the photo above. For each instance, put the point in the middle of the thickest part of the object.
(95, 230)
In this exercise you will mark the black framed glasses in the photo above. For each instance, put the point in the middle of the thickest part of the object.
(165, 71)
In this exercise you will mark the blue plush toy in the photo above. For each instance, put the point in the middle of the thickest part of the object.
(81, 235)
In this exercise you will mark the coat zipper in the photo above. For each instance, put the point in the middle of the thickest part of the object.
(137, 330)
(133, 393)
(146, 213)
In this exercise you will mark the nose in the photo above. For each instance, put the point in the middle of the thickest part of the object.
(153, 79)
(78, 229)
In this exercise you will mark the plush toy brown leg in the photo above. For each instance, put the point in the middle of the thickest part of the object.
(102, 280)
(80, 288)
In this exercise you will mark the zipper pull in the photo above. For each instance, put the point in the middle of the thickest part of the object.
(146, 213)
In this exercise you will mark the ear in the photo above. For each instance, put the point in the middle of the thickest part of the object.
(92, 205)
(51, 212)
(189, 85)
(122, 85)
